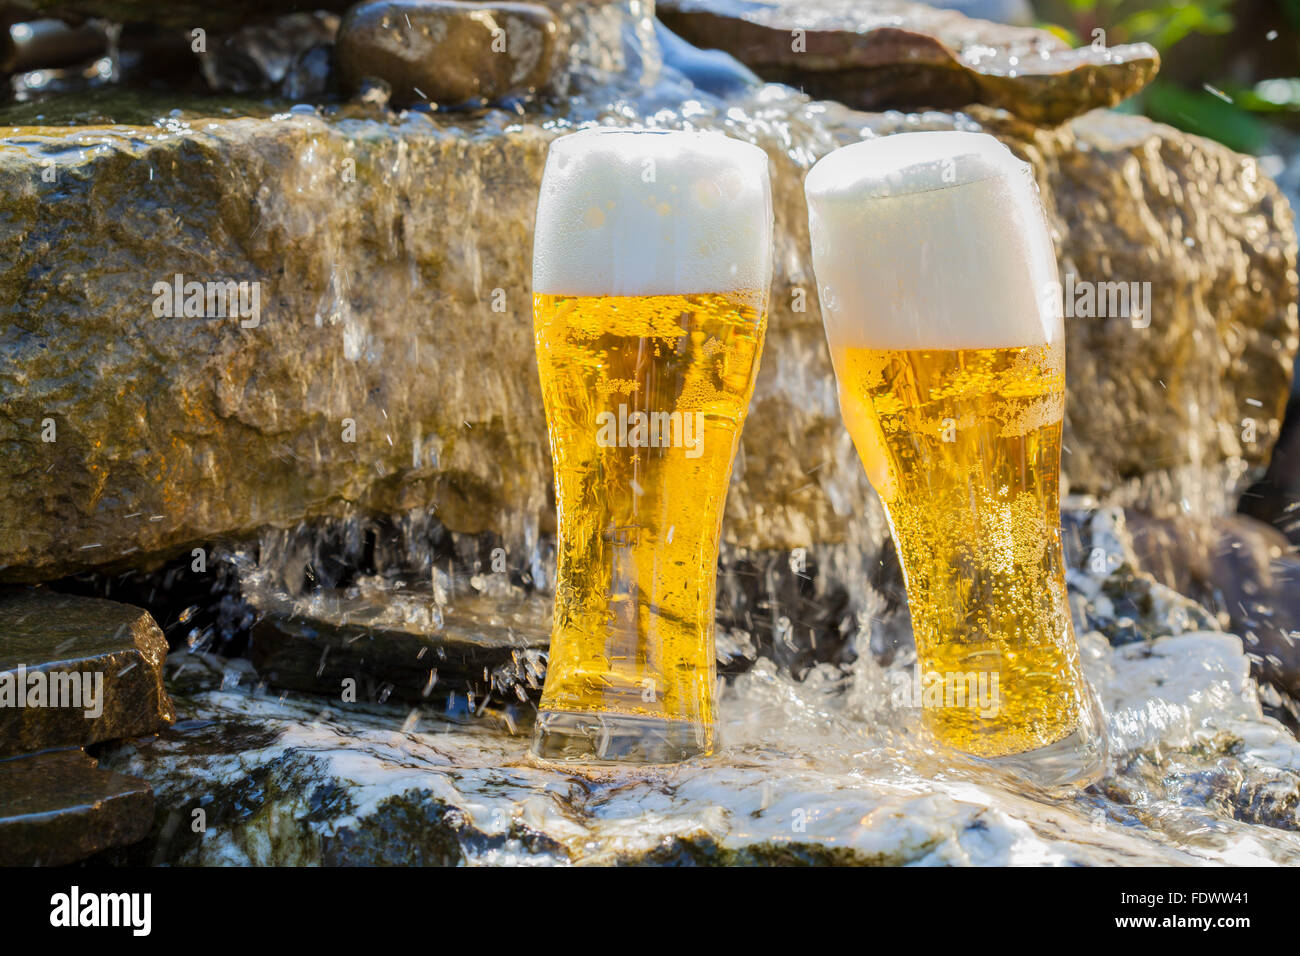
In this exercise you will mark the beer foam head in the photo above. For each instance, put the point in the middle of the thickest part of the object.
(931, 241)
(645, 212)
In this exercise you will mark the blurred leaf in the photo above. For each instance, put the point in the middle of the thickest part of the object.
(1291, 9)
(1186, 20)
(1142, 24)
(1204, 114)
(1240, 115)
(1278, 95)
(1062, 33)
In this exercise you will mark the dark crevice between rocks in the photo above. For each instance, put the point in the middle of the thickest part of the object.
(1275, 498)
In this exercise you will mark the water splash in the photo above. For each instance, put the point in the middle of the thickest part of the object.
(824, 754)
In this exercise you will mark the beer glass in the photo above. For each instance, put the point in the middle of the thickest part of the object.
(940, 298)
(651, 264)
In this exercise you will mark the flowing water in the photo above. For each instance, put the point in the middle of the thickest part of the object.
(831, 762)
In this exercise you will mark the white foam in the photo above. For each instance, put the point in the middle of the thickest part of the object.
(639, 212)
(931, 240)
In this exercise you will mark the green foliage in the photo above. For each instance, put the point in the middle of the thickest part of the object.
(1235, 113)
(1204, 113)
(1131, 21)
(1164, 26)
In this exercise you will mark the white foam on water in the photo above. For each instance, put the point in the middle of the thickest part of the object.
(931, 240)
(648, 212)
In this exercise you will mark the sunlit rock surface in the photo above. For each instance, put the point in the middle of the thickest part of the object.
(390, 365)
(98, 665)
(1173, 444)
(891, 54)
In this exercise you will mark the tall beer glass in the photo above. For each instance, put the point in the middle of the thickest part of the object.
(651, 263)
(938, 286)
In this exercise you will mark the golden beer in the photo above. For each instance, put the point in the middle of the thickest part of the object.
(646, 389)
(634, 596)
(950, 361)
(964, 448)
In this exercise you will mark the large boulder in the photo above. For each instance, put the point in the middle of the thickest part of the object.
(383, 357)
(1213, 244)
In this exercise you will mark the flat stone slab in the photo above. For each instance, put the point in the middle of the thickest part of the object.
(76, 671)
(888, 54)
(404, 646)
(56, 808)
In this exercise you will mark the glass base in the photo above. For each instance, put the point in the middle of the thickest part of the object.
(1074, 761)
(596, 738)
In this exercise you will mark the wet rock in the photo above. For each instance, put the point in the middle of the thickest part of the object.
(40, 44)
(57, 808)
(262, 56)
(1244, 571)
(84, 669)
(392, 610)
(828, 770)
(887, 54)
(447, 53)
(478, 638)
(311, 75)
(391, 367)
(789, 608)
(404, 646)
(599, 42)
(1197, 747)
(1135, 433)
(1111, 591)
(184, 14)
(1276, 497)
